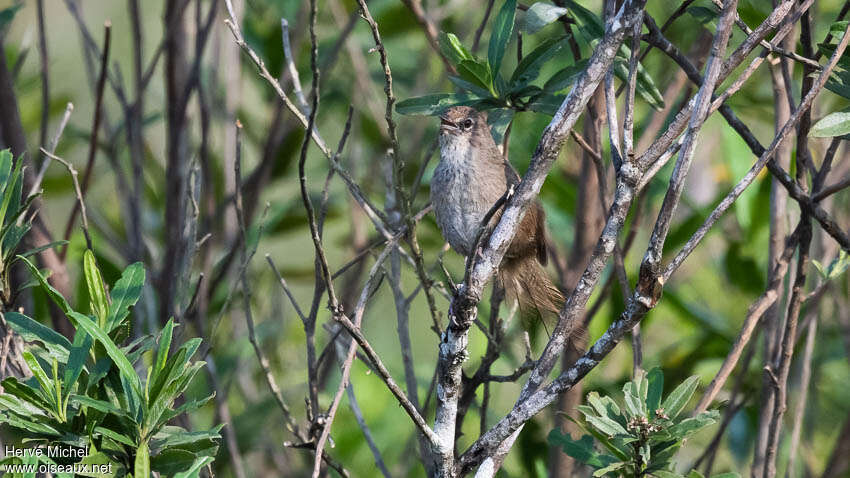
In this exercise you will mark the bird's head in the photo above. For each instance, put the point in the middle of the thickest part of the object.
(462, 124)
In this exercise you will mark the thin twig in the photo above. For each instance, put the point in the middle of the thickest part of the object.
(80, 202)
(98, 110)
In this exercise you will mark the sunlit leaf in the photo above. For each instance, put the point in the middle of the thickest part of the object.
(541, 14)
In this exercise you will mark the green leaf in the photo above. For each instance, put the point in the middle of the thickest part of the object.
(689, 426)
(546, 103)
(564, 77)
(23, 391)
(469, 86)
(587, 19)
(101, 406)
(610, 468)
(680, 397)
(111, 349)
(833, 124)
(9, 192)
(503, 27)
(655, 390)
(434, 104)
(142, 467)
(51, 292)
(41, 376)
(172, 461)
(499, 119)
(195, 470)
(125, 294)
(529, 68)
(97, 290)
(164, 346)
(77, 359)
(452, 48)
(728, 474)
(477, 72)
(606, 425)
(30, 330)
(582, 449)
(633, 404)
(99, 458)
(117, 437)
(666, 474)
(704, 14)
(32, 252)
(541, 14)
(8, 14)
(6, 160)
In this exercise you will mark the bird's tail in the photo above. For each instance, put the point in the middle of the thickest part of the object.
(526, 282)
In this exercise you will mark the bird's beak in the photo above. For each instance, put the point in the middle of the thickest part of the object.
(447, 125)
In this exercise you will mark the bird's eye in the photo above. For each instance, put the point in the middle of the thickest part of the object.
(467, 123)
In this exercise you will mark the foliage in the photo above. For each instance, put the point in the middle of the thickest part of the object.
(640, 435)
(484, 88)
(836, 123)
(87, 393)
(14, 223)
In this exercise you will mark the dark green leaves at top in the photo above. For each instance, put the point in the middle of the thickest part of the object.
(503, 27)
(125, 294)
(453, 49)
(529, 68)
(541, 14)
(97, 289)
(433, 104)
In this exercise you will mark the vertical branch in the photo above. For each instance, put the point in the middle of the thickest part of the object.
(802, 400)
(45, 76)
(95, 128)
(176, 74)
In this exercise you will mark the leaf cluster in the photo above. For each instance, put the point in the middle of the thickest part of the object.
(87, 393)
(639, 436)
(482, 85)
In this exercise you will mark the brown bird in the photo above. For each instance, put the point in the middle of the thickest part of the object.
(471, 177)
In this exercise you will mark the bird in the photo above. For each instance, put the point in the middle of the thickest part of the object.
(471, 177)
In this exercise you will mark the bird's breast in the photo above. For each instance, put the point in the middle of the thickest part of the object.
(461, 195)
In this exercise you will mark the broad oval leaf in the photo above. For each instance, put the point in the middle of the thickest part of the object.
(541, 14)
(833, 124)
